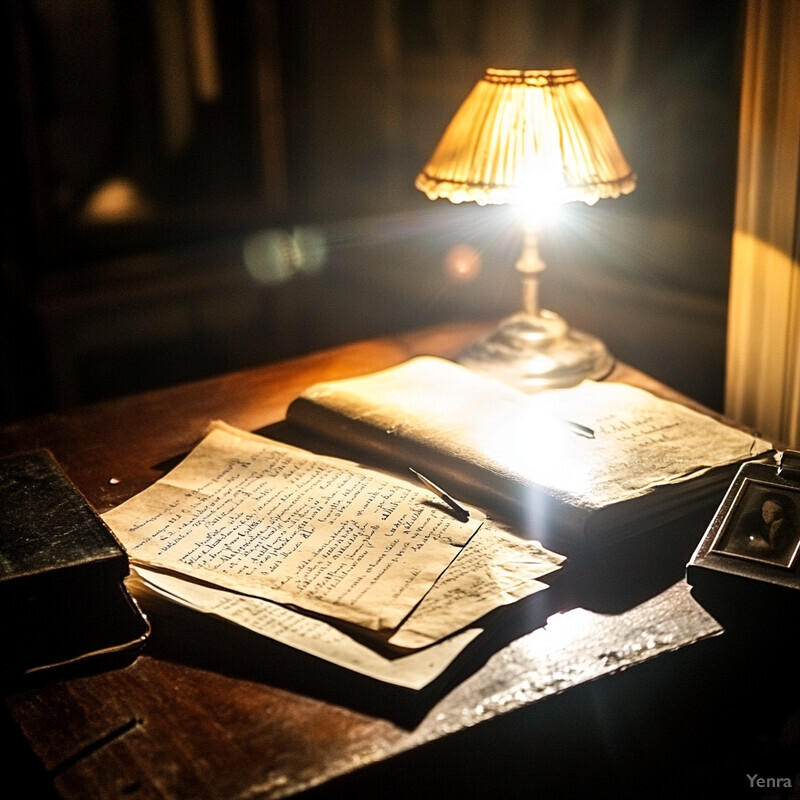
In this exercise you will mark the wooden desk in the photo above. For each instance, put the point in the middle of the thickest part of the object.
(212, 712)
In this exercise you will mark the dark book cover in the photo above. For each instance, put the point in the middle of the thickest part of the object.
(63, 603)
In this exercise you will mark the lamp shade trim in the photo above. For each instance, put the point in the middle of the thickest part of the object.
(493, 194)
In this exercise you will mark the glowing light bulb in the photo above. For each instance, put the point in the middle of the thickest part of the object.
(540, 191)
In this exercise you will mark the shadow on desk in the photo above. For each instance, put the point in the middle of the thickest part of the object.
(203, 641)
(615, 579)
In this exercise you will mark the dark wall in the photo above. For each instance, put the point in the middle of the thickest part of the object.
(193, 195)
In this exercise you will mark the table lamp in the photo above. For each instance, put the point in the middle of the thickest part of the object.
(533, 139)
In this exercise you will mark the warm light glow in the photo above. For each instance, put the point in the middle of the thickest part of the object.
(525, 135)
(538, 432)
(463, 263)
(535, 436)
(540, 189)
(116, 200)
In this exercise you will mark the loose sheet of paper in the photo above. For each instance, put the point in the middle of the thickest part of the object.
(269, 520)
(304, 633)
(493, 569)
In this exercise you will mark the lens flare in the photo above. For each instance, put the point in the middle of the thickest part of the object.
(463, 263)
(272, 256)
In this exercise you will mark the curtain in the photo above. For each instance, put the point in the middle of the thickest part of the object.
(763, 349)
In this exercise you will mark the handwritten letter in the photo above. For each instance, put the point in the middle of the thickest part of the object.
(493, 569)
(272, 521)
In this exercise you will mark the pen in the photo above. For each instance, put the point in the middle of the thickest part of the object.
(461, 513)
(576, 427)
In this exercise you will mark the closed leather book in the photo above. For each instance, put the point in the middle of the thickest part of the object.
(63, 603)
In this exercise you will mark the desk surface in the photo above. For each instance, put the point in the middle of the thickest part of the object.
(212, 712)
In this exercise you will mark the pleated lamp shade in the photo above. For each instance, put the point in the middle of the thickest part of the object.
(527, 131)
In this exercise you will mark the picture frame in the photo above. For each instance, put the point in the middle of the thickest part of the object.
(748, 559)
(762, 525)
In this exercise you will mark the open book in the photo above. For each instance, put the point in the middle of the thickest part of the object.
(587, 465)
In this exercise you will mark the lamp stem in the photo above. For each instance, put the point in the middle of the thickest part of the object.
(535, 348)
(530, 265)
(530, 295)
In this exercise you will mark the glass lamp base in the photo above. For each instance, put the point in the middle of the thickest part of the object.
(534, 352)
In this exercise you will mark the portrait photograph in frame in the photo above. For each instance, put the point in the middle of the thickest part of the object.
(746, 568)
(762, 525)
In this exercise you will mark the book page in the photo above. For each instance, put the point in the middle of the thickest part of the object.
(640, 442)
(304, 633)
(273, 521)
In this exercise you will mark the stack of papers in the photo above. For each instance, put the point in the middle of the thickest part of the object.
(300, 547)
